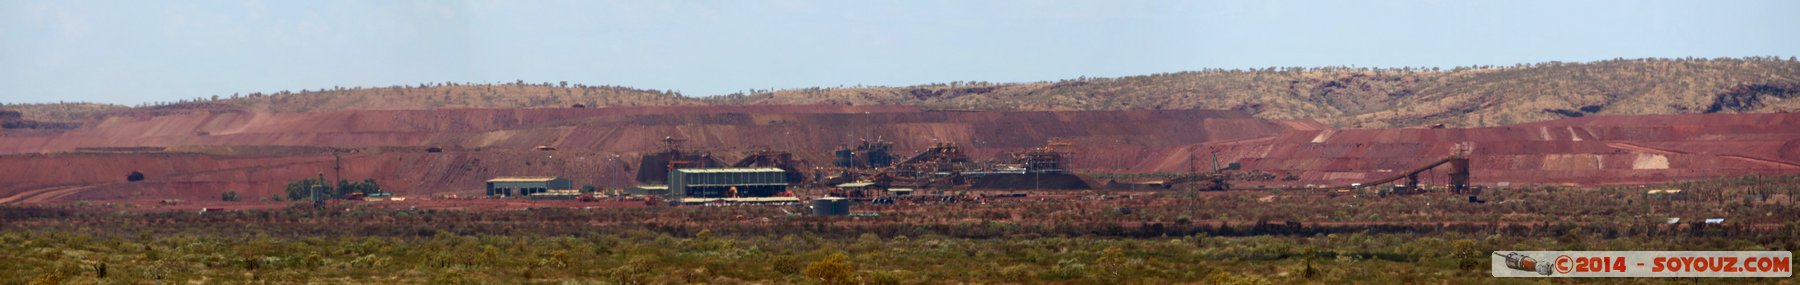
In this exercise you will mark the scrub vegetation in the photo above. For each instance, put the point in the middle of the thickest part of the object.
(1099, 237)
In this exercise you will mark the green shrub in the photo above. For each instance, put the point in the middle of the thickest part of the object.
(834, 269)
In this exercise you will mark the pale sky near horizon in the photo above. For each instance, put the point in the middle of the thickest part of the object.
(127, 52)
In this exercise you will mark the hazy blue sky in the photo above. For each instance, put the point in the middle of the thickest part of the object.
(135, 51)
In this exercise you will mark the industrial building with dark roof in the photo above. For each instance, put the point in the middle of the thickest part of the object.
(526, 185)
(726, 182)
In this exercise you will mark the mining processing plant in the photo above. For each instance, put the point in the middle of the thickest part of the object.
(868, 171)
(865, 171)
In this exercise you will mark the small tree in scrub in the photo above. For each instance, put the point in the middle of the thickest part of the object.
(302, 190)
(834, 269)
(1466, 254)
(366, 187)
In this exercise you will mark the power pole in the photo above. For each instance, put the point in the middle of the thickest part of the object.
(337, 166)
(1193, 164)
(318, 201)
(1215, 154)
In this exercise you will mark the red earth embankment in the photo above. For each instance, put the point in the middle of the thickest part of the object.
(1585, 151)
(198, 155)
(203, 154)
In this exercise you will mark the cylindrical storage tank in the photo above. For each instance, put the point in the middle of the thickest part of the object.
(831, 206)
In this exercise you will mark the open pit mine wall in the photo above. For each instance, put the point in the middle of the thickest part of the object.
(101, 176)
(198, 155)
(201, 154)
(1585, 151)
(808, 134)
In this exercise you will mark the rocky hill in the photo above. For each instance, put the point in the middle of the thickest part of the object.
(59, 112)
(1372, 98)
(456, 95)
(443, 95)
(1340, 96)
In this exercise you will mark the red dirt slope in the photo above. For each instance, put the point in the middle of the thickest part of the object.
(1593, 150)
(197, 155)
